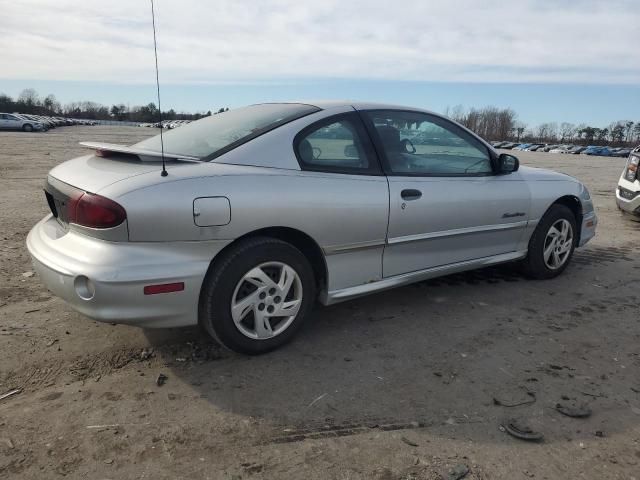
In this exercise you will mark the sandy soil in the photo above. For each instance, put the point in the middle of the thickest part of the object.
(407, 384)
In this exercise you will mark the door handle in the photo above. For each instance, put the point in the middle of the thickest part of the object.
(410, 194)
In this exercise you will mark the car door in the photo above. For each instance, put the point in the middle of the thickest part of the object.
(446, 204)
(4, 124)
(350, 198)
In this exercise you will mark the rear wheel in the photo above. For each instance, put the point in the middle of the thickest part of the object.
(552, 243)
(27, 127)
(256, 297)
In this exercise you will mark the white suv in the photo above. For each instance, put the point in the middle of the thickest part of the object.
(628, 191)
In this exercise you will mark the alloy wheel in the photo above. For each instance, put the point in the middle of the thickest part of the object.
(266, 300)
(558, 244)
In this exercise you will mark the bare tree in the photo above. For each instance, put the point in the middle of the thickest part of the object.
(567, 131)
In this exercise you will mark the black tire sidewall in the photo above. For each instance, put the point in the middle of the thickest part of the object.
(220, 284)
(27, 128)
(535, 264)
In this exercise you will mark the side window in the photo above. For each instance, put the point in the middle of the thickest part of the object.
(339, 144)
(420, 144)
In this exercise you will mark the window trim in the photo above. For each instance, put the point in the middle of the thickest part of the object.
(365, 115)
(361, 129)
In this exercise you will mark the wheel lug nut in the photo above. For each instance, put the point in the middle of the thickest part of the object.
(277, 299)
(261, 307)
(262, 295)
(270, 309)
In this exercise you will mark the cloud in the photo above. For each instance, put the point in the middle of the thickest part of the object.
(279, 40)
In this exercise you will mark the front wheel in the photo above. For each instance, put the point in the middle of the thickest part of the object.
(256, 297)
(27, 127)
(552, 243)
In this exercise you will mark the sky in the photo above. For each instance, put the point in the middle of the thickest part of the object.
(549, 60)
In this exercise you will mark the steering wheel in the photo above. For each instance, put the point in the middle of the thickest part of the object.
(407, 145)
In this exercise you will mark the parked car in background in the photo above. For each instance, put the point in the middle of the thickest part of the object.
(33, 118)
(10, 121)
(560, 149)
(268, 208)
(628, 191)
(535, 147)
(596, 150)
(509, 145)
(621, 152)
(547, 148)
(522, 146)
(576, 150)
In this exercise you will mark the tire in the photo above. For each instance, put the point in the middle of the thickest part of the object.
(226, 285)
(27, 127)
(535, 265)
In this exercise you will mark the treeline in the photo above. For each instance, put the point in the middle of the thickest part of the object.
(502, 124)
(29, 101)
(491, 123)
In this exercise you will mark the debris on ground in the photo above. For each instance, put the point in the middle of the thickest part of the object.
(599, 433)
(28, 274)
(574, 411)
(10, 393)
(517, 428)
(162, 378)
(503, 403)
(8, 442)
(408, 442)
(458, 472)
(594, 395)
(146, 353)
(51, 342)
(317, 400)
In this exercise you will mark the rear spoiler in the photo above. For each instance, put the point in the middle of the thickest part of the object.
(107, 149)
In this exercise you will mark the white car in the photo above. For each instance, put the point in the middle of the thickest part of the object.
(10, 121)
(561, 149)
(628, 191)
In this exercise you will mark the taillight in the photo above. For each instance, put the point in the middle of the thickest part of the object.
(95, 211)
(632, 168)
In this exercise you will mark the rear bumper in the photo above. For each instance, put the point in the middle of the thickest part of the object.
(105, 280)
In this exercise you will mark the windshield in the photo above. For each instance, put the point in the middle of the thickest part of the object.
(214, 135)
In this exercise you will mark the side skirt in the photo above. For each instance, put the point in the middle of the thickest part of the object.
(341, 295)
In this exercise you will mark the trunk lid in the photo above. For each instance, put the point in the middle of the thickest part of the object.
(111, 163)
(92, 173)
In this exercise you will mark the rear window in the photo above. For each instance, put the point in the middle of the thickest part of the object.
(212, 136)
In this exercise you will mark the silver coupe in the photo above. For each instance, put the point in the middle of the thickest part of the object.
(266, 209)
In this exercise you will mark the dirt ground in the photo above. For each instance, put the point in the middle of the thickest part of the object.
(408, 384)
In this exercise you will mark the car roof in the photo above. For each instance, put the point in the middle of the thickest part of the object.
(359, 105)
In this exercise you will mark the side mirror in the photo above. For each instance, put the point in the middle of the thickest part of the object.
(508, 163)
(350, 151)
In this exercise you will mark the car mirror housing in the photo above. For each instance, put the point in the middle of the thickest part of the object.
(508, 163)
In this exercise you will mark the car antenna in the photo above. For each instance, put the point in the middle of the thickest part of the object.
(155, 51)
